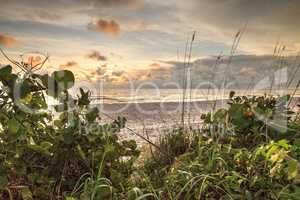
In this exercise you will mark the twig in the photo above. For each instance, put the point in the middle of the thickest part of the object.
(13, 61)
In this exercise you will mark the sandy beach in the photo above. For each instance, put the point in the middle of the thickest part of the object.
(153, 118)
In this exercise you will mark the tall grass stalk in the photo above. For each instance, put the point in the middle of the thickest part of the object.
(294, 93)
(233, 50)
(184, 84)
(293, 76)
(279, 58)
(190, 78)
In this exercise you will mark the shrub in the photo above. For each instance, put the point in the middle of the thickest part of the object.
(236, 154)
(220, 171)
(43, 155)
(253, 119)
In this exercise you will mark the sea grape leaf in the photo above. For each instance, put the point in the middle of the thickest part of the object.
(231, 94)
(84, 98)
(13, 126)
(24, 89)
(64, 78)
(92, 114)
(236, 112)
(220, 115)
(292, 168)
(5, 71)
(283, 143)
(58, 82)
(68, 136)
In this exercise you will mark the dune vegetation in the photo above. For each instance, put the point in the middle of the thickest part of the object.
(249, 150)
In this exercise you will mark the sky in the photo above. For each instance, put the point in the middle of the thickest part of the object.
(144, 40)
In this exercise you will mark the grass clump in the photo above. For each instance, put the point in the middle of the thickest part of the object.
(239, 153)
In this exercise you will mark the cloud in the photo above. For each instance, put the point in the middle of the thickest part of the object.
(102, 70)
(155, 65)
(34, 60)
(68, 64)
(242, 70)
(130, 4)
(117, 73)
(43, 15)
(267, 21)
(96, 55)
(7, 41)
(105, 26)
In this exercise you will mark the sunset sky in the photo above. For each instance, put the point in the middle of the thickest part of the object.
(145, 39)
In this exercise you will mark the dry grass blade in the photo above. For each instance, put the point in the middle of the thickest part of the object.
(190, 77)
(294, 93)
(184, 85)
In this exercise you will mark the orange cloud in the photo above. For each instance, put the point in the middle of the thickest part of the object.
(68, 64)
(7, 41)
(154, 65)
(96, 55)
(34, 60)
(104, 26)
(117, 73)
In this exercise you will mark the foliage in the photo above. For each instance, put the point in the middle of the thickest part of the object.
(220, 171)
(247, 150)
(240, 153)
(256, 119)
(43, 154)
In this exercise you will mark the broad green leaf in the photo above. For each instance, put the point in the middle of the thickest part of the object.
(24, 89)
(283, 143)
(68, 136)
(65, 79)
(84, 98)
(13, 126)
(292, 168)
(231, 94)
(5, 71)
(220, 115)
(237, 114)
(92, 114)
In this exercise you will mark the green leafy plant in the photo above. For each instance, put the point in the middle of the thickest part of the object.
(44, 154)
